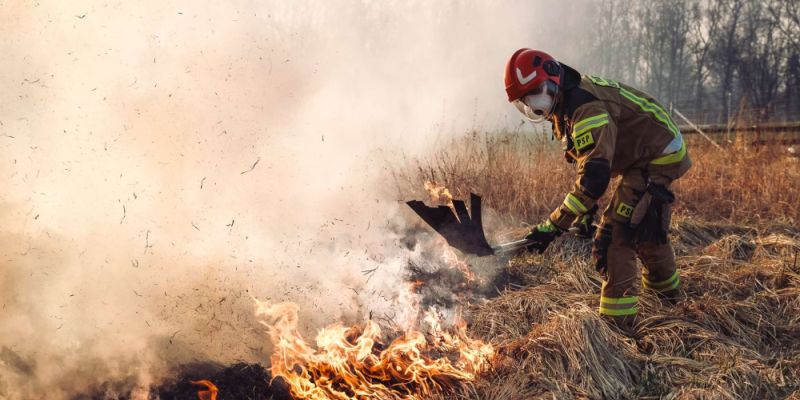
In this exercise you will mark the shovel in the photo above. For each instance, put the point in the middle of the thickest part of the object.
(462, 230)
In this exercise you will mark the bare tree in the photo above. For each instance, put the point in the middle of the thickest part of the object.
(725, 52)
(763, 49)
(706, 55)
(700, 44)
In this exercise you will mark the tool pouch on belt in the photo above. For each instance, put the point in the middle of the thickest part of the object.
(651, 216)
(600, 245)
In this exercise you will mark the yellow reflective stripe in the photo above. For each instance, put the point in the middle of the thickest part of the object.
(603, 82)
(662, 286)
(646, 105)
(619, 300)
(616, 306)
(671, 158)
(672, 286)
(575, 205)
(617, 313)
(589, 127)
(660, 283)
(650, 107)
(586, 121)
(653, 108)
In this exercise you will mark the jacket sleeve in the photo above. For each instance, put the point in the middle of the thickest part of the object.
(594, 136)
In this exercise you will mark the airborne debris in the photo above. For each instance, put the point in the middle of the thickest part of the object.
(173, 336)
(147, 244)
(252, 167)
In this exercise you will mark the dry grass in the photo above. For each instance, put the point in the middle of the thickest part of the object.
(523, 177)
(735, 334)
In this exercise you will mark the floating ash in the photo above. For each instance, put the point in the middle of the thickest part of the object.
(357, 363)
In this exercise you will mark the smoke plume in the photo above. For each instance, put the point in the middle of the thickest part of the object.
(166, 162)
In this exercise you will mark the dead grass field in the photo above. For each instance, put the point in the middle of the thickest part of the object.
(736, 333)
(524, 176)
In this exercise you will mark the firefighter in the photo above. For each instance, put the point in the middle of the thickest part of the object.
(607, 129)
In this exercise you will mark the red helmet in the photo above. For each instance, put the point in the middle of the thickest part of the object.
(528, 70)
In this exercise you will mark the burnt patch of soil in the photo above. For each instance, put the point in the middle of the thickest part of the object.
(238, 381)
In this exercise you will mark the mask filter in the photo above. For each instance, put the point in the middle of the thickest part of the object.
(538, 105)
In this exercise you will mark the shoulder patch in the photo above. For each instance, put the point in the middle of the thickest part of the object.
(582, 136)
(624, 210)
(584, 140)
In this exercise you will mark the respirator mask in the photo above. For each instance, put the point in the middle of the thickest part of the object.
(537, 105)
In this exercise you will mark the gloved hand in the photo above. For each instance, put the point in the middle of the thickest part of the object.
(585, 224)
(542, 235)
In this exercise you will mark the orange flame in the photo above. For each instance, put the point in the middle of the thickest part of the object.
(439, 194)
(354, 363)
(415, 285)
(451, 259)
(210, 393)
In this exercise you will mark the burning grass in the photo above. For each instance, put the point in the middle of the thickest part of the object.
(356, 363)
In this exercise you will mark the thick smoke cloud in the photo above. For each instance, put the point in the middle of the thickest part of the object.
(164, 162)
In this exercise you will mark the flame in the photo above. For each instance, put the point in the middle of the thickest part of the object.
(414, 286)
(210, 393)
(439, 194)
(350, 363)
(451, 259)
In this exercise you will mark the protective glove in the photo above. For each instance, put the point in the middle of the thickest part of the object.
(585, 224)
(542, 235)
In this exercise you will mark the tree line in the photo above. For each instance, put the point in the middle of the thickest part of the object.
(713, 60)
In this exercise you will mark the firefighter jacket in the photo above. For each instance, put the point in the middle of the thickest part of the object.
(609, 128)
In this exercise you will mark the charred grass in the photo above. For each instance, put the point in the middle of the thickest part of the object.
(735, 334)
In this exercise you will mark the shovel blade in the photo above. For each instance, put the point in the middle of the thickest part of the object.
(461, 230)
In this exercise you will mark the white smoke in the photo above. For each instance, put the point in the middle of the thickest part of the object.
(165, 161)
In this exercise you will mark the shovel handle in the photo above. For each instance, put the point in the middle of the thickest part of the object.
(517, 245)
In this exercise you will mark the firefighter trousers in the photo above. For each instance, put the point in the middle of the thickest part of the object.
(620, 291)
